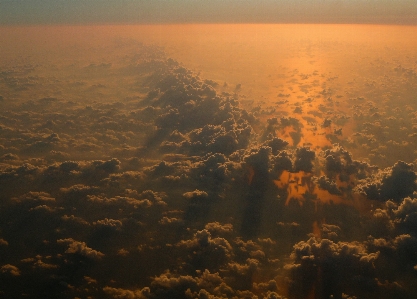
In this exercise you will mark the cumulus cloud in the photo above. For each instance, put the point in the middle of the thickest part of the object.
(75, 219)
(276, 144)
(159, 168)
(304, 158)
(406, 214)
(10, 269)
(204, 285)
(330, 268)
(394, 183)
(109, 223)
(81, 248)
(125, 294)
(35, 197)
(206, 252)
(216, 227)
(196, 194)
(326, 184)
(166, 220)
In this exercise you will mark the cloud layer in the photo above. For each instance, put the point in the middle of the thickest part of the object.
(142, 179)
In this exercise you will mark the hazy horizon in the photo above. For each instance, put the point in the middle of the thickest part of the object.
(211, 11)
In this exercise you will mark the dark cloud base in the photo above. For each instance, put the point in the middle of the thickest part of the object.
(180, 192)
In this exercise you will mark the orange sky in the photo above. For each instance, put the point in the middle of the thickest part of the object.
(279, 67)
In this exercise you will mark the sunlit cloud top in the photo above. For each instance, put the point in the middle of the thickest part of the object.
(207, 11)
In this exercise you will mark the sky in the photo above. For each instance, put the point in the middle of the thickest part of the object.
(211, 11)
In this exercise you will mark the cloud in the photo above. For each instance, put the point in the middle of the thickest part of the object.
(168, 171)
(78, 192)
(204, 285)
(196, 194)
(331, 232)
(214, 171)
(125, 294)
(75, 219)
(69, 166)
(194, 118)
(328, 268)
(166, 220)
(9, 157)
(81, 248)
(283, 161)
(258, 162)
(41, 265)
(10, 269)
(394, 183)
(325, 184)
(343, 170)
(276, 144)
(35, 197)
(108, 223)
(217, 228)
(121, 201)
(394, 218)
(206, 252)
(304, 158)
(406, 214)
(109, 166)
(155, 197)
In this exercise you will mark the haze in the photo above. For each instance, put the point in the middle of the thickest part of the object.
(210, 11)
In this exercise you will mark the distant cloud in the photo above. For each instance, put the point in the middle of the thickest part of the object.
(10, 269)
(76, 247)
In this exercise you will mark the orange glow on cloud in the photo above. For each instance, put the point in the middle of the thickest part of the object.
(326, 197)
(316, 230)
(297, 184)
(251, 173)
(297, 61)
(284, 134)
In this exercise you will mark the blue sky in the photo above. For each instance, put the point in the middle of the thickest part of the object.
(207, 11)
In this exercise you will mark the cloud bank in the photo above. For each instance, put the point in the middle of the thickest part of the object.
(160, 183)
